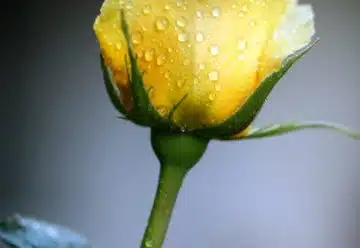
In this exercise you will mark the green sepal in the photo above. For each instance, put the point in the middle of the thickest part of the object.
(143, 112)
(292, 126)
(111, 87)
(21, 232)
(178, 148)
(249, 110)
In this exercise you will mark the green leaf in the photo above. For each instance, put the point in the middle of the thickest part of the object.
(20, 232)
(249, 110)
(111, 87)
(288, 127)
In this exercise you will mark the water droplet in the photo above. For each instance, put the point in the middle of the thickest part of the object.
(199, 37)
(162, 111)
(162, 23)
(244, 8)
(129, 6)
(181, 22)
(149, 55)
(136, 38)
(252, 23)
(199, 14)
(179, 3)
(242, 45)
(182, 37)
(241, 57)
(211, 96)
(187, 62)
(201, 66)
(139, 54)
(214, 76)
(118, 46)
(160, 60)
(214, 50)
(216, 12)
(167, 7)
(148, 243)
(147, 9)
(180, 83)
(217, 87)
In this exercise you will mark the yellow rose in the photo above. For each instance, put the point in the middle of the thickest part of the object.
(198, 70)
(208, 55)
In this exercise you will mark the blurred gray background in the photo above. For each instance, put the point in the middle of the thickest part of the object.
(66, 158)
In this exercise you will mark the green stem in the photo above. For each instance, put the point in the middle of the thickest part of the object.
(169, 184)
(177, 153)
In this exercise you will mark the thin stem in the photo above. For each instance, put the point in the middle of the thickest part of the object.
(169, 184)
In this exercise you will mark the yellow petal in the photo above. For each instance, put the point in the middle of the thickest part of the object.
(295, 31)
(243, 133)
(208, 49)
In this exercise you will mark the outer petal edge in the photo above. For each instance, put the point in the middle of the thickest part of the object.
(111, 88)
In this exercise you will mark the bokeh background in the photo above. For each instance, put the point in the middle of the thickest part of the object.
(66, 158)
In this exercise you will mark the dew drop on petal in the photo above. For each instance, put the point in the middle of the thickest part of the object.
(182, 37)
(199, 37)
(214, 50)
(139, 54)
(118, 46)
(199, 14)
(216, 12)
(179, 3)
(211, 96)
(241, 57)
(244, 8)
(136, 38)
(242, 45)
(162, 23)
(181, 22)
(162, 111)
(214, 76)
(187, 62)
(160, 60)
(180, 83)
(147, 9)
(167, 7)
(149, 55)
(217, 87)
(252, 23)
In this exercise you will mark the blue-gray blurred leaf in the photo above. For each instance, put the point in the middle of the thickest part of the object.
(21, 232)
